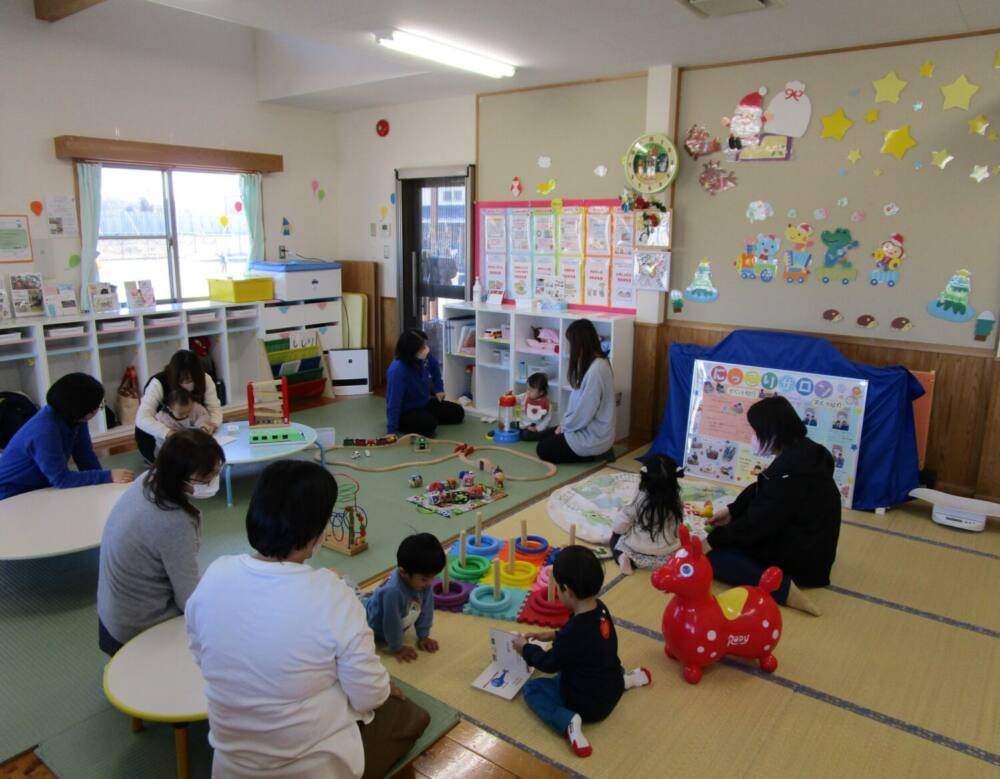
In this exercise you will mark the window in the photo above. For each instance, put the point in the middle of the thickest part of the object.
(176, 228)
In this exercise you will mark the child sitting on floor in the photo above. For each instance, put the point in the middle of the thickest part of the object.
(406, 599)
(645, 533)
(536, 410)
(181, 412)
(589, 678)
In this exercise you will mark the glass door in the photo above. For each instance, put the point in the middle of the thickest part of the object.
(434, 246)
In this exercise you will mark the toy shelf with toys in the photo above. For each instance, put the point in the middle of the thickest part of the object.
(535, 342)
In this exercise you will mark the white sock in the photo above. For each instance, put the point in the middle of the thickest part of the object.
(637, 677)
(625, 564)
(576, 738)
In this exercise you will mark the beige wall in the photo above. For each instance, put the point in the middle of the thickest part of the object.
(149, 73)
(947, 219)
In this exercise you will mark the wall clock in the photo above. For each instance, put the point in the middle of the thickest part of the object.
(651, 163)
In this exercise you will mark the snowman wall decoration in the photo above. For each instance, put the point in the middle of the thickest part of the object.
(747, 123)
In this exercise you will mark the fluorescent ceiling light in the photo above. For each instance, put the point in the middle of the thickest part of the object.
(408, 43)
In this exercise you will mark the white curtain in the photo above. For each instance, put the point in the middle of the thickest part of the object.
(250, 186)
(89, 178)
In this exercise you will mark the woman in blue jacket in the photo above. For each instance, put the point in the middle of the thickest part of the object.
(414, 397)
(38, 455)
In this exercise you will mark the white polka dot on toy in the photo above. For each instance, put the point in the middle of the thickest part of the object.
(711, 635)
(701, 650)
(713, 654)
(767, 647)
(681, 553)
(766, 624)
(775, 635)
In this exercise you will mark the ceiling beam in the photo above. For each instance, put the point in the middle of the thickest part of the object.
(54, 10)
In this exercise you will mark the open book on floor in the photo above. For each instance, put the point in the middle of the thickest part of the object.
(508, 672)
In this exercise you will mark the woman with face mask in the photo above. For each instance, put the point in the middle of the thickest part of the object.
(149, 548)
(184, 371)
(789, 518)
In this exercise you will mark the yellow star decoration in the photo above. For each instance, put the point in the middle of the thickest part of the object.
(854, 155)
(888, 88)
(996, 170)
(991, 137)
(979, 172)
(958, 93)
(836, 124)
(927, 69)
(996, 62)
(872, 116)
(940, 158)
(877, 172)
(978, 125)
(897, 142)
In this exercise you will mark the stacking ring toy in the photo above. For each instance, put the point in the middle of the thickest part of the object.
(522, 576)
(489, 546)
(472, 571)
(536, 545)
(483, 600)
(542, 582)
(454, 599)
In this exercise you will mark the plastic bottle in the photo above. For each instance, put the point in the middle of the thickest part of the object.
(477, 292)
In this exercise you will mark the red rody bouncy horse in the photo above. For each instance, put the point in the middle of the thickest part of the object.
(699, 629)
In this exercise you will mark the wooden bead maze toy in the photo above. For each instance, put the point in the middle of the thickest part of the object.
(267, 403)
(348, 529)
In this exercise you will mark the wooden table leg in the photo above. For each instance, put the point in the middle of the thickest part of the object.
(181, 749)
(136, 725)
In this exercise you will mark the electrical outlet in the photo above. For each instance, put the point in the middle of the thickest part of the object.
(371, 227)
(385, 251)
(282, 252)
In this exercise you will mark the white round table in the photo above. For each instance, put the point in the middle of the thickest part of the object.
(50, 522)
(154, 677)
(242, 452)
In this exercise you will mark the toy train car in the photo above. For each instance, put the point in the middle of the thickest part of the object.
(845, 274)
(887, 277)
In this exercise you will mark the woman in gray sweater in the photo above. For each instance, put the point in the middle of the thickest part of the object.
(149, 548)
(587, 428)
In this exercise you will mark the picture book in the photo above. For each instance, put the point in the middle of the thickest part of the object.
(26, 294)
(4, 304)
(103, 298)
(60, 299)
(139, 295)
(508, 672)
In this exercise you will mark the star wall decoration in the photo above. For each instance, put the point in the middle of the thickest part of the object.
(872, 116)
(889, 87)
(927, 69)
(980, 173)
(854, 155)
(958, 93)
(836, 124)
(941, 158)
(897, 142)
(978, 125)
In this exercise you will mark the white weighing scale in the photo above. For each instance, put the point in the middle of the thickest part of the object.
(955, 511)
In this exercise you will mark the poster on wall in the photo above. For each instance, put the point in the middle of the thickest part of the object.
(520, 231)
(544, 232)
(719, 442)
(15, 239)
(598, 281)
(622, 283)
(520, 273)
(598, 231)
(496, 274)
(571, 273)
(545, 269)
(623, 237)
(571, 231)
(495, 230)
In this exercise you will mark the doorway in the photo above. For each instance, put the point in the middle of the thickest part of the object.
(434, 245)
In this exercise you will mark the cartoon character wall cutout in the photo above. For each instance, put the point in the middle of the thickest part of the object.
(797, 259)
(759, 257)
(747, 122)
(952, 303)
(836, 266)
(887, 256)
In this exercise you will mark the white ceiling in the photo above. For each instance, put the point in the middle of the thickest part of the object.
(321, 54)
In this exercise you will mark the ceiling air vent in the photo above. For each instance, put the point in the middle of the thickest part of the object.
(728, 7)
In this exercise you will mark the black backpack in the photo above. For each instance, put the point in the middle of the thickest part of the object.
(16, 408)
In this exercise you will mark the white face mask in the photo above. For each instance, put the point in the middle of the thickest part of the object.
(759, 449)
(201, 491)
(188, 385)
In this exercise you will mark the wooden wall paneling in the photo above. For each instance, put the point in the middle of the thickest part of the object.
(75, 147)
(646, 358)
(965, 422)
(390, 332)
(54, 10)
(988, 483)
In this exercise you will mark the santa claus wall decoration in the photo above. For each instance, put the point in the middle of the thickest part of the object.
(747, 123)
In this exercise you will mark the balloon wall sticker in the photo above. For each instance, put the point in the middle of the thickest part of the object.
(224, 221)
(321, 195)
(314, 186)
(36, 207)
(798, 258)
(958, 93)
(836, 266)
(952, 304)
(888, 88)
(714, 179)
(901, 323)
(73, 261)
(985, 323)
(701, 289)
(835, 125)
(238, 206)
(759, 210)
(888, 256)
(699, 143)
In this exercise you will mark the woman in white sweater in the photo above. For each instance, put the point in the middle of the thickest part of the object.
(184, 371)
(293, 683)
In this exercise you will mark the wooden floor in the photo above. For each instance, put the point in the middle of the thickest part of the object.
(465, 752)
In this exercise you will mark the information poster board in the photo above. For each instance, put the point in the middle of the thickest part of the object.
(718, 442)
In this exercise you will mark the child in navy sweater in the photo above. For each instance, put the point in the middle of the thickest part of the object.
(406, 599)
(589, 678)
(414, 396)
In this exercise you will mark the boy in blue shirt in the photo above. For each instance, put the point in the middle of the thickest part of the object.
(406, 599)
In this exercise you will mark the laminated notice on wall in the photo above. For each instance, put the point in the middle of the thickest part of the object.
(520, 231)
(545, 232)
(520, 272)
(622, 276)
(495, 229)
(598, 281)
(623, 235)
(496, 273)
(545, 269)
(571, 231)
(571, 274)
(598, 231)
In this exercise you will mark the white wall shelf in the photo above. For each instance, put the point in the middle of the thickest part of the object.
(497, 376)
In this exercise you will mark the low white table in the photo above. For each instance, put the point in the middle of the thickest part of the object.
(242, 452)
(50, 522)
(154, 677)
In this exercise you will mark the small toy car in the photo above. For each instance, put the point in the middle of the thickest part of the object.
(416, 480)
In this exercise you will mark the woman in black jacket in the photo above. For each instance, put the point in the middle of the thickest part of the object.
(791, 516)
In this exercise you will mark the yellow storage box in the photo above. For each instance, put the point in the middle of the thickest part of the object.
(246, 290)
